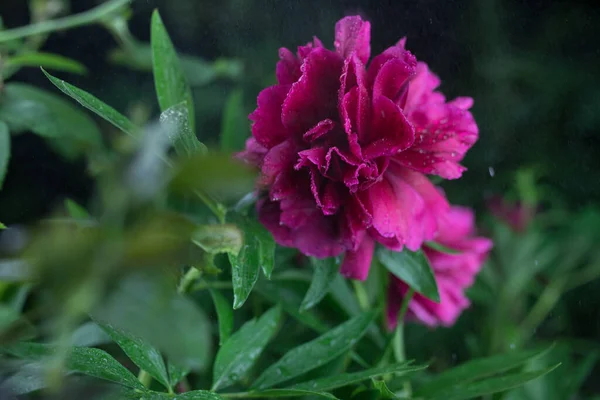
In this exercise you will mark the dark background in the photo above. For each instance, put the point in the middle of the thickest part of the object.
(532, 67)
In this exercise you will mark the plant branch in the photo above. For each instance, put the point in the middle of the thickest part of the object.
(69, 22)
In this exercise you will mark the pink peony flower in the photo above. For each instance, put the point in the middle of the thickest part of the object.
(343, 148)
(453, 272)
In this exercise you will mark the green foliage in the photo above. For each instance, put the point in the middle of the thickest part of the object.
(4, 151)
(171, 86)
(239, 353)
(46, 60)
(316, 352)
(325, 273)
(412, 268)
(27, 108)
(170, 227)
(93, 104)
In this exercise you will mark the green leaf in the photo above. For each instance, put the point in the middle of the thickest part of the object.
(197, 395)
(326, 270)
(234, 126)
(76, 211)
(385, 392)
(84, 360)
(2, 226)
(244, 271)
(140, 352)
(216, 239)
(488, 386)
(412, 268)
(4, 151)
(175, 122)
(344, 296)
(337, 381)
(89, 334)
(290, 300)
(266, 243)
(316, 352)
(93, 104)
(287, 393)
(149, 308)
(441, 248)
(46, 60)
(240, 352)
(225, 315)
(25, 107)
(171, 86)
(477, 369)
(176, 374)
(152, 395)
(258, 251)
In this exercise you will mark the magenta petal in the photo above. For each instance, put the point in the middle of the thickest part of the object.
(288, 67)
(391, 127)
(392, 79)
(356, 264)
(253, 154)
(267, 128)
(444, 133)
(269, 215)
(277, 160)
(352, 34)
(319, 238)
(313, 97)
(319, 130)
(395, 206)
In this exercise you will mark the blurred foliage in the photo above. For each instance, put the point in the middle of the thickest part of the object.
(125, 214)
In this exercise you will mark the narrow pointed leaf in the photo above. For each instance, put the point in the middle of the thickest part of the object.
(176, 373)
(225, 315)
(326, 270)
(488, 386)
(140, 352)
(384, 391)
(478, 369)
(240, 352)
(315, 353)
(4, 151)
(149, 308)
(176, 124)
(93, 104)
(244, 271)
(27, 108)
(84, 360)
(337, 381)
(412, 268)
(170, 82)
(234, 127)
(270, 393)
(152, 395)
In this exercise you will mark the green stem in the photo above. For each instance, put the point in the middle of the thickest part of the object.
(145, 378)
(211, 285)
(186, 281)
(542, 307)
(214, 206)
(361, 294)
(72, 21)
(398, 340)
